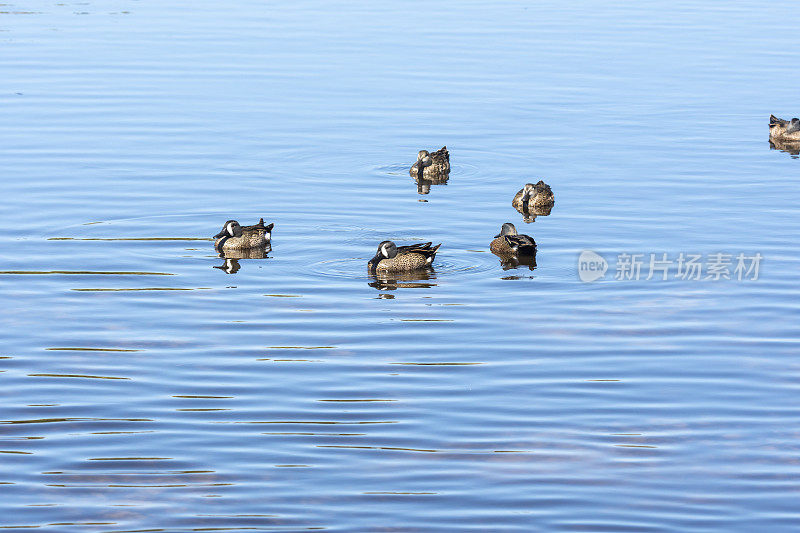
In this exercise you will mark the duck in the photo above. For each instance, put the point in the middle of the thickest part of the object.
(784, 130)
(509, 242)
(432, 166)
(534, 197)
(237, 237)
(393, 258)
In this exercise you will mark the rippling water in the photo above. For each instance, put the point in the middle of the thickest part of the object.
(150, 385)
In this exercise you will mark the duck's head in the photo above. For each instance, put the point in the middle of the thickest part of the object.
(539, 193)
(506, 229)
(230, 229)
(527, 191)
(424, 158)
(386, 250)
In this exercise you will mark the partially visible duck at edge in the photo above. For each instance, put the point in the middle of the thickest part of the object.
(432, 166)
(393, 258)
(509, 242)
(784, 130)
(237, 237)
(534, 196)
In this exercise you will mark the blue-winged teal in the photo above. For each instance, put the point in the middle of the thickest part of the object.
(534, 197)
(784, 130)
(391, 258)
(509, 242)
(432, 166)
(236, 237)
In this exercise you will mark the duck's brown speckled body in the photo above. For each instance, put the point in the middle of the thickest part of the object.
(391, 258)
(538, 197)
(784, 130)
(509, 242)
(236, 237)
(432, 166)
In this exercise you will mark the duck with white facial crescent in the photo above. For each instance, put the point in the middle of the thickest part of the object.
(237, 237)
(393, 258)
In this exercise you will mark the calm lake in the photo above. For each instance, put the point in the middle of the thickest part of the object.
(150, 385)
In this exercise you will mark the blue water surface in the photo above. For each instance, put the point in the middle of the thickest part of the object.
(145, 390)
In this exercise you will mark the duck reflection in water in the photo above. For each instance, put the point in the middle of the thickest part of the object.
(424, 186)
(231, 257)
(230, 266)
(511, 262)
(391, 281)
(790, 147)
(529, 214)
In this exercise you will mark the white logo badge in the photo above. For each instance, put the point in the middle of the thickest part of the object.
(591, 266)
